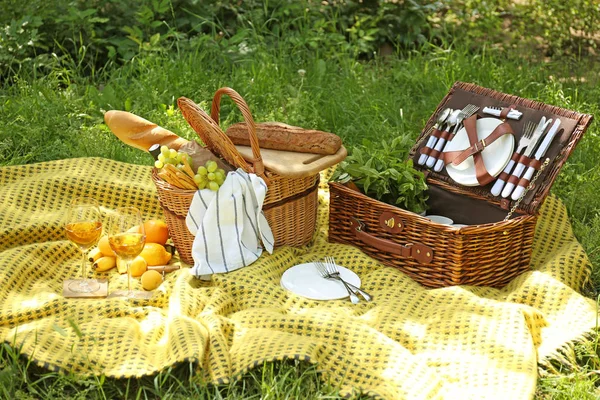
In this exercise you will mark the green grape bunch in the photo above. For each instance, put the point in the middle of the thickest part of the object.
(171, 156)
(209, 176)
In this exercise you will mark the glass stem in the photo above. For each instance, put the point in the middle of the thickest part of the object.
(129, 276)
(83, 267)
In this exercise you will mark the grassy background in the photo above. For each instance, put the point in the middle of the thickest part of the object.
(56, 112)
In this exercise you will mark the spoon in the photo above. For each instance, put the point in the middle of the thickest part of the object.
(440, 163)
(450, 122)
(432, 139)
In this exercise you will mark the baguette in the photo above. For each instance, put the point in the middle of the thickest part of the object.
(278, 136)
(140, 133)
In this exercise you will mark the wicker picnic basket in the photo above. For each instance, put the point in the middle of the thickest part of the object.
(492, 249)
(290, 205)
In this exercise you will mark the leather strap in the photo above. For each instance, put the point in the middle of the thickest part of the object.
(445, 135)
(513, 179)
(436, 133)
(421, 253)
(506, 110)
(524, 160)
(426, 150)
(503, 176)
(515, 157)
(476, 147)
(435, 153)
(536, 164)
(524, 182)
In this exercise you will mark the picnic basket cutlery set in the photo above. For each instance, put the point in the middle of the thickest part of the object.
(488, 158)
(498, 171)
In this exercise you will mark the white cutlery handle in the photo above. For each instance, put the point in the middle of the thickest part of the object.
(510, 186)
(423, 157)
(514, 114)
(438, 147)
(439, 165)
(520, 189)
(491, 111)
(499, 184)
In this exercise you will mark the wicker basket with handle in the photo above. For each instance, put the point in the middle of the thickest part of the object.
(491, 250)
(290, 205)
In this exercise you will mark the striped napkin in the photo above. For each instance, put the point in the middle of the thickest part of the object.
(229, 225)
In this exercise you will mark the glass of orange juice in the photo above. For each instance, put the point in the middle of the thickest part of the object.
(83, 227)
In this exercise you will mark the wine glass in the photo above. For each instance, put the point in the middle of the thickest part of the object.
(83, 227)
(126, 237)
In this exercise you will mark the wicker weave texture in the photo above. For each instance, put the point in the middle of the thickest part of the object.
(292, 219)
(482, 255)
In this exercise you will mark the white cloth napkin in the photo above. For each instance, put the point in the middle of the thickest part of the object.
(229, 225)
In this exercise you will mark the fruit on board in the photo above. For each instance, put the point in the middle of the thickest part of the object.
(156, 231)
(121, 266)
(138, 266)
(155, 254)
(151, 280)
(105, 248)
(104, 264)
(94, 254)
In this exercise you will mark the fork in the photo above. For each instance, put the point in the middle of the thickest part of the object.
(523, 143)
(441, 144)
(325, 274)
(334, 272)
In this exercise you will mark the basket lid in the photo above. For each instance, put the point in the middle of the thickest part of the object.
(573, 125)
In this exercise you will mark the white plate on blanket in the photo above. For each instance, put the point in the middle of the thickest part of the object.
(306, 281)
(495, 156)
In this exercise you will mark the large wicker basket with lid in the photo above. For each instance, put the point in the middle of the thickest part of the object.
(491, 250)
(290, 205)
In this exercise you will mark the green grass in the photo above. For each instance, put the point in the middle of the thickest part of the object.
(60, 116)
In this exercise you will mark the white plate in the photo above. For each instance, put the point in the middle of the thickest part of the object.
(306, 281)
(495, 156)
(440, 219)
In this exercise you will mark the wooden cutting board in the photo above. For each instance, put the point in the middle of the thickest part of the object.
(292, 164)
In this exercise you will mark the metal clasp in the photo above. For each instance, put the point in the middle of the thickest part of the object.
(477, 144)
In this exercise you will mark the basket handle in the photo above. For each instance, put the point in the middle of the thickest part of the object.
(421, 253)
(257, 162)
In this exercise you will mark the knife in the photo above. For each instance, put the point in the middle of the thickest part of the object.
(520, 166)
(541, 151)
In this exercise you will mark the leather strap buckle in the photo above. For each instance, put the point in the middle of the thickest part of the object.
(477, 144)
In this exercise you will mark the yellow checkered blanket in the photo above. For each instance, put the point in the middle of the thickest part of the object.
(409, 343)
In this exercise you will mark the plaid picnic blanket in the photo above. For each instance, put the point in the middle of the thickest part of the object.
(409, 343)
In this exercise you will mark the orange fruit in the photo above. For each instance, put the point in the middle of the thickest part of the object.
(105, 247)
(156, 231)
(151, 280)
(155, 254)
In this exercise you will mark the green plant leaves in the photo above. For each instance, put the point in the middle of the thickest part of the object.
(381, 171)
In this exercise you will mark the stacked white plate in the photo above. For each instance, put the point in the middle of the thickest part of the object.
(306, 281)
(495, 156)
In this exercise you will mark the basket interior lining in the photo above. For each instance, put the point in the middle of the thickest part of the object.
(462, 209)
